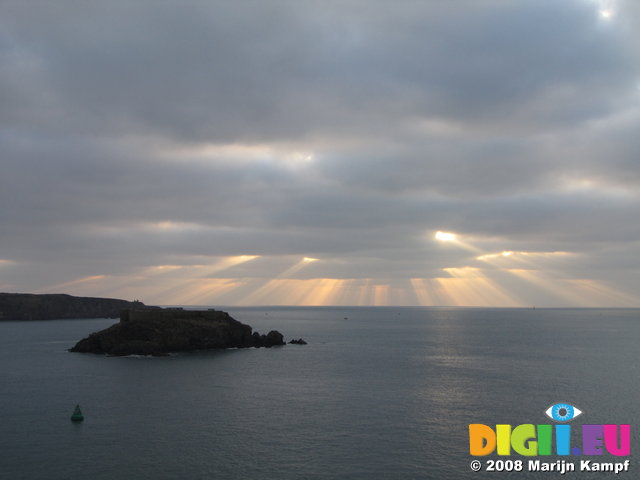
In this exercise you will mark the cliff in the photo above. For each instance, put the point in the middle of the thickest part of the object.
(25, 306)
(161, 331)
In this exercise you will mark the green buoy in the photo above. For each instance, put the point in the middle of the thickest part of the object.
(77, 416)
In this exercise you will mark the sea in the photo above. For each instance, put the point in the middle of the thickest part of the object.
(377, 393)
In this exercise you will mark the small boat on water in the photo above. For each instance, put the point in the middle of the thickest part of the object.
(77, 416)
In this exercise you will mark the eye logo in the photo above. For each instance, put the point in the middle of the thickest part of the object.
(563, 412)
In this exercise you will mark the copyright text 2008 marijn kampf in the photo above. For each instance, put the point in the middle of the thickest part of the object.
(562, 466)
(559, 466)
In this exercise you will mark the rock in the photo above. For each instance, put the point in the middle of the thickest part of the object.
(161, 331)
(273, 338)
(257, 339)
(298, 342)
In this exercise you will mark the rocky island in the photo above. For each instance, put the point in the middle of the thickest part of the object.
(28, 306)
(159, 331)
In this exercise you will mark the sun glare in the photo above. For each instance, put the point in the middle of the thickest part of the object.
(445, 236)
(606, 13)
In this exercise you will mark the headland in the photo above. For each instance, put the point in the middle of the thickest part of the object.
(28, 306)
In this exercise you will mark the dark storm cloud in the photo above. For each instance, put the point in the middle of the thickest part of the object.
(359, 128)
(256, 70)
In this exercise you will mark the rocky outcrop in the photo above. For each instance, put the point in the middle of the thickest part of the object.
(299, 341)
(26, 306)
(161, 331)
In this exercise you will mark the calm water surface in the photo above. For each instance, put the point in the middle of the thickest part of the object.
(387, 393)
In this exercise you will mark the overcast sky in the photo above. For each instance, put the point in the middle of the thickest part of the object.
(307, 152)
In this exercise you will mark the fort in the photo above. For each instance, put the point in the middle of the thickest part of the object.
(157, 313)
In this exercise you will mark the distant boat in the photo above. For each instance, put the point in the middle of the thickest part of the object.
(77, 416)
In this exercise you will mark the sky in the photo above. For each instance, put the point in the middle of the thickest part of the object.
(296, 152)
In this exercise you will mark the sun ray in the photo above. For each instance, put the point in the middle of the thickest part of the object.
(206, 291)
(324, 291)
(262, 293)
(423, 292)
(174, 284)
(552, 286)
(79, 285)
(469, 286)
(380, 295)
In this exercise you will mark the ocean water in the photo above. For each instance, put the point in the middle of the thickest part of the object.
(378, 393)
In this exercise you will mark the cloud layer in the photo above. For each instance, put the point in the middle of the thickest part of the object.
(307, 152)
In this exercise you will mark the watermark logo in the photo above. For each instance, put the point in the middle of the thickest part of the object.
(531, 440)
(563, 412)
